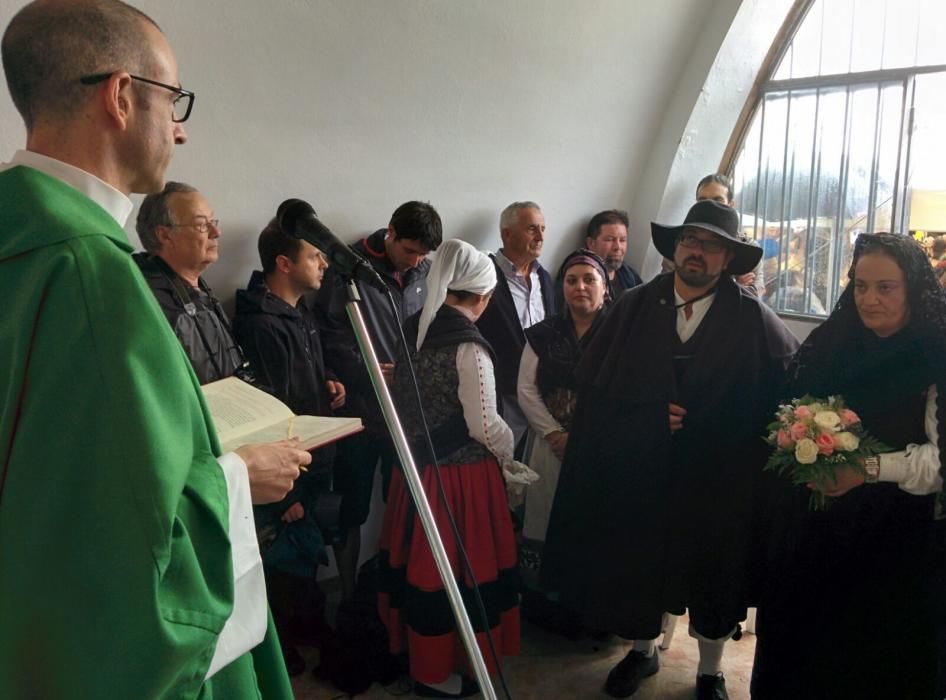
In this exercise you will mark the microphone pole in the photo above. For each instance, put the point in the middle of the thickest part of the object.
(412, 477)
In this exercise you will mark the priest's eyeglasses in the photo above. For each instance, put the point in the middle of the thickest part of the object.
(183, 103)
(709, 245)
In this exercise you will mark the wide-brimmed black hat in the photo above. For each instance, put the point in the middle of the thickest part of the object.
(716, 218)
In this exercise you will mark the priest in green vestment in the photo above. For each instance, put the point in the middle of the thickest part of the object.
(128, 562)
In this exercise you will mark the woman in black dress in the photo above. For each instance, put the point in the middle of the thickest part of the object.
(852, 609)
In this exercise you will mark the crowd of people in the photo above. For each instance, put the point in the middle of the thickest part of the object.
(596, 439)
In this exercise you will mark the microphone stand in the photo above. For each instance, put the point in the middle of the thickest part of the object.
(417, 491)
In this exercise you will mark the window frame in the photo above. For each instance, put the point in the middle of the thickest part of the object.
(766, 85)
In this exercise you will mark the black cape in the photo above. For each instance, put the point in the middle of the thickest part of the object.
(645, 521)
(859, 587)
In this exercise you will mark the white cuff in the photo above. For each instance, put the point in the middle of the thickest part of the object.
(894, 467)
(246, 626)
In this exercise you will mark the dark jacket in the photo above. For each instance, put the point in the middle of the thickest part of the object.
(409, 290)
(197, 318)
(285, 352)
(284, 348)
(645, 520)
(625, 278)
(502, 329)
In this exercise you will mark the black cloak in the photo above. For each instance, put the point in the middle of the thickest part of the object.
(646, 521)
(855, 594)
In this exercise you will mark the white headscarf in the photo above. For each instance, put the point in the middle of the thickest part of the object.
(458, 266)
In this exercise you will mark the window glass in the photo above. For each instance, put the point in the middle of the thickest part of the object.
(823, 161)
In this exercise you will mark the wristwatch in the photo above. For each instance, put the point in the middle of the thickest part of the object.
(871, 469)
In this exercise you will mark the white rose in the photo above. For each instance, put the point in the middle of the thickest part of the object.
(847, 442)
(806, 451)
(828, 421)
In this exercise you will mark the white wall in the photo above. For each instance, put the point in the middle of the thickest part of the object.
(359, 106)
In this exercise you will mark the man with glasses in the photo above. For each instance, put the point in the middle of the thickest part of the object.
(130, 567)
(655, 503)
(181, 237)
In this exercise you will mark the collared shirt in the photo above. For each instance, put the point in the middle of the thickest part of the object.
(526, 293)
(111, 200)
(686, 327)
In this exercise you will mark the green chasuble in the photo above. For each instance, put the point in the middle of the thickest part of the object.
(115, 568)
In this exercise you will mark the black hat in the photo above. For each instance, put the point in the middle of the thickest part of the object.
(716, 218)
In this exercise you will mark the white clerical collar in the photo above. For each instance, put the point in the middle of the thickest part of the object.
(99, 191)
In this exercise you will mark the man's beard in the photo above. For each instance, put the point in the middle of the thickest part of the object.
(613, 264)
(695, 278)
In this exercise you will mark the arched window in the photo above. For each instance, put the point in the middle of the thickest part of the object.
(846, 136)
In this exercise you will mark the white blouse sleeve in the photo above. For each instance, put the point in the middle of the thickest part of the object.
(530, 400)
(477, 393)
(916, 469)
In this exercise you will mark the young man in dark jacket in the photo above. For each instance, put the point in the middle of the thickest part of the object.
(284, 347)
(398, 253)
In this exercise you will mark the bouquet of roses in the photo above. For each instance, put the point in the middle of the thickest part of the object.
(813, 437)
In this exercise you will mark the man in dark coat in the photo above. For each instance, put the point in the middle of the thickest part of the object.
(524, 295)
(606, 235)
(398, 254)
(655, 502)
(285, 350)
(180, 234)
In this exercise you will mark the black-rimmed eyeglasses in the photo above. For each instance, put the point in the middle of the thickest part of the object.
(709, 245)
(201, 226)
(183, 103)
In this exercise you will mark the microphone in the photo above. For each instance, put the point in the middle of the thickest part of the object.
(297, 218)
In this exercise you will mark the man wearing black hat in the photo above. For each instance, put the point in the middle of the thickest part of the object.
(656, 499)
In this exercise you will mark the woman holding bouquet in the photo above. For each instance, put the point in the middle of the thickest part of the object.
(855, 593)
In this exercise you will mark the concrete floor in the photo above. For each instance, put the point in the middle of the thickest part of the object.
(552, 667)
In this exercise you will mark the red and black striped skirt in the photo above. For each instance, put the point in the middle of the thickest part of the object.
(412, 601)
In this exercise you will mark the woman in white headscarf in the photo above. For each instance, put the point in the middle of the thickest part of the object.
(454, 367)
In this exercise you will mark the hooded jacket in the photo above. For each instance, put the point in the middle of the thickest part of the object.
(284, 348)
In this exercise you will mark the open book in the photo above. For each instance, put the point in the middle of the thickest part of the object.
(243, 414)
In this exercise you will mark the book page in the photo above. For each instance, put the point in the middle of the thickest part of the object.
(239, 409)
(312, 431)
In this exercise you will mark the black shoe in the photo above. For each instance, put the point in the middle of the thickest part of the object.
(295, 664)
(468, 687)
(711, 687)
(628, 674)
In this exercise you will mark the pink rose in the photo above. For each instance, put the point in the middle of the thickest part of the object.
(802, 413)
(798, 431)
(825, 444)
(784, 440)
(848, 417)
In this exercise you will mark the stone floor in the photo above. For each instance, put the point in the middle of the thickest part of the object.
(553, 667)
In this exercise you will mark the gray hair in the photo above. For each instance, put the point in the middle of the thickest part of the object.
(48, 47)
(510, 215)
(154, 212)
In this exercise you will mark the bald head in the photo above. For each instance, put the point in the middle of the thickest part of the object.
(50, 44)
